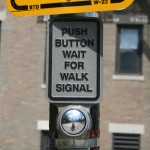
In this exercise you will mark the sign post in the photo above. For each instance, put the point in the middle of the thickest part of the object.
(74, 81)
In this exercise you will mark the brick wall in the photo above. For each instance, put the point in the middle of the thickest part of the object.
(125, 101)
(22, 101)
(2, 5)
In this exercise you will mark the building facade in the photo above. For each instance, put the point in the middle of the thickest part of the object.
(125, 105)
(125, 108)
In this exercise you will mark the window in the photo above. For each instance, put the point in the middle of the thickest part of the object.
(44, 140)
(129, 49)
(126, 141)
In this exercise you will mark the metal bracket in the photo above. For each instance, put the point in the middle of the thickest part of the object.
(74, 143)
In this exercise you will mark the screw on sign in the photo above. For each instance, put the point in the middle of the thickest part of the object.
(43, 7)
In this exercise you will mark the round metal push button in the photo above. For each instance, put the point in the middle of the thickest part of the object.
(73, 122)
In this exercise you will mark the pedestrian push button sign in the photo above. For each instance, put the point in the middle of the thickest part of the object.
(74, 73)
(41, 7)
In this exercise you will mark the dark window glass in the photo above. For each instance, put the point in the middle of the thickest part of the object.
(129, 50)
(44, 140)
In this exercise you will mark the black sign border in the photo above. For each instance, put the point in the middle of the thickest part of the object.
(56, 5)
(99, 54)
(49, 5)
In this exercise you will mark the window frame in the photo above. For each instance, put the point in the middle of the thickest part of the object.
(139, 70)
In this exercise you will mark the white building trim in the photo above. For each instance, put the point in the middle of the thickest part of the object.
(128, 77)
(43, 125)
(2, 15)
(43, 86)
(126, 128)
